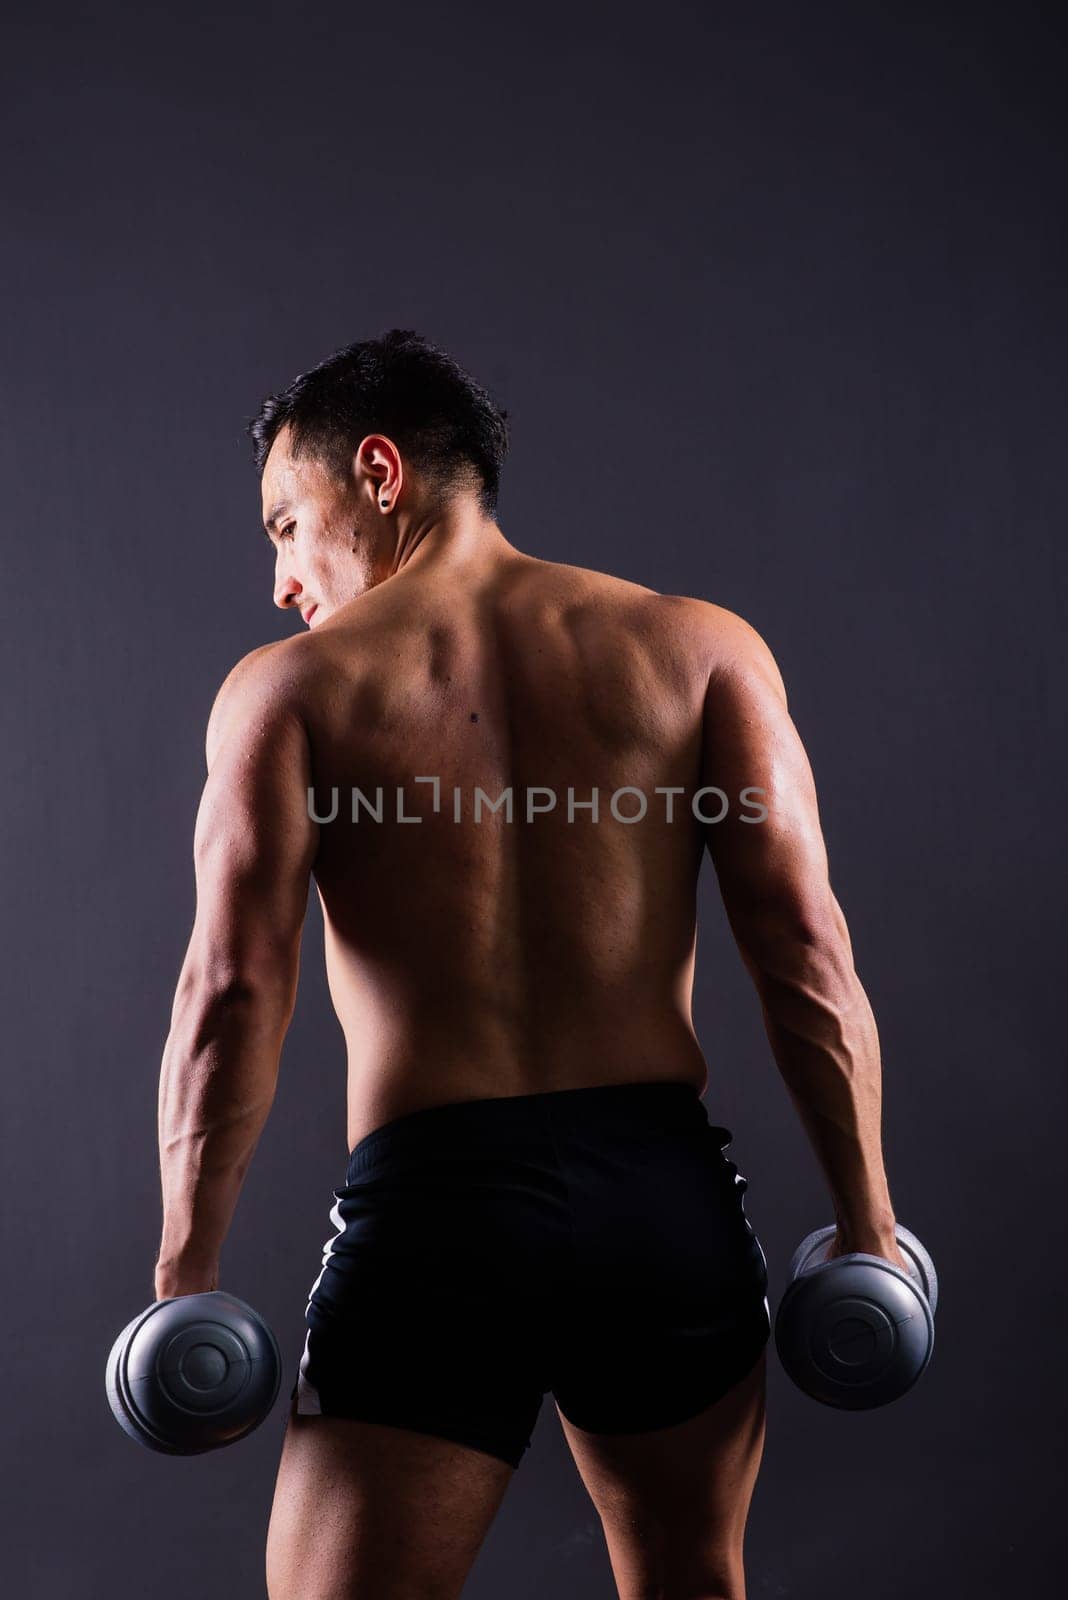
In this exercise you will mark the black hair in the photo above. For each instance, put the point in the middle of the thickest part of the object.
(401, 385)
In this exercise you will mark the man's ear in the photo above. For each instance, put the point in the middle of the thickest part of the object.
(378, 470)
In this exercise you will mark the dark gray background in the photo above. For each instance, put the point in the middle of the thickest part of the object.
(774, 295)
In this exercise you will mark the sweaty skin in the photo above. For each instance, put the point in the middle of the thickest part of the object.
(468, 960)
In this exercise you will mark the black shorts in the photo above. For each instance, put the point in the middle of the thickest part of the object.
(589, 1242)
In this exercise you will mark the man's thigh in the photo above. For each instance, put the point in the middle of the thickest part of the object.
(366, 1511)
(673, 1501)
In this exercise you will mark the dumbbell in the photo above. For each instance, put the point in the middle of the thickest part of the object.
(856, 1331)
(193, 1373)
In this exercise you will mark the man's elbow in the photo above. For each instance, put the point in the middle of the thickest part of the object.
(802, 937)
(218, 989)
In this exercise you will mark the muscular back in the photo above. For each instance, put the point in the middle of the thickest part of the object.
(479, 958)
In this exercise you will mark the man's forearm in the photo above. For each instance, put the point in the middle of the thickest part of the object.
(823, 1035)
(217, 1084)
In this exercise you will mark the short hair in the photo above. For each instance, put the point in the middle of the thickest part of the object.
(402, 385)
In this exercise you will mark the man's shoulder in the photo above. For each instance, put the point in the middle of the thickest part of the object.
(265, 684)
(722, 637)
(278, 669)
(683, 611)
(704, 632)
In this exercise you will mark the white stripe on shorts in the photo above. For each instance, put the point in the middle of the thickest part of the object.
(308, 1403)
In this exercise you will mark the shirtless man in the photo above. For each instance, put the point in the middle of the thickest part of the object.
(535, 1200)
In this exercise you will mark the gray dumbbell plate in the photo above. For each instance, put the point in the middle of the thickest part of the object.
(193, 1372)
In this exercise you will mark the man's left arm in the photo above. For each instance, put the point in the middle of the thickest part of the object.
(254, 846)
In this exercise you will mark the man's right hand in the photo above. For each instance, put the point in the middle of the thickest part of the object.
(871, 1243)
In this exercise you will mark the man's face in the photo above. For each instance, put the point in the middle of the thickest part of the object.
(322, 534)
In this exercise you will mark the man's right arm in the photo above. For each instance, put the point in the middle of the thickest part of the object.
(790, 929)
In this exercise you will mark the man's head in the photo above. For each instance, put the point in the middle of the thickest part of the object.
(385, 431)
